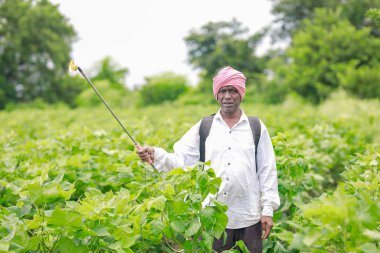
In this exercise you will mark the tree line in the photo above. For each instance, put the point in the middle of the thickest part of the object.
(331, 45)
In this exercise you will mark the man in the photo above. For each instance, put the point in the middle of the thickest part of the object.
(251, 194)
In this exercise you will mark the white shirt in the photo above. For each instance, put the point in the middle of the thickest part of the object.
(248, 194)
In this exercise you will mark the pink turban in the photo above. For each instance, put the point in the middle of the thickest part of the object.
(228, 76)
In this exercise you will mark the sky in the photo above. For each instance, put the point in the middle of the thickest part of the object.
(147, 36)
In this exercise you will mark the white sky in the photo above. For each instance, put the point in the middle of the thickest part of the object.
(147, 36)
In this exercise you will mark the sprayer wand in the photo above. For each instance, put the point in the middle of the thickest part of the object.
(73, 67)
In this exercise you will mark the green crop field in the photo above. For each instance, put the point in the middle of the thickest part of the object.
(71, 182)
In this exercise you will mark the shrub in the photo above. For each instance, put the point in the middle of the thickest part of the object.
(113, 96)
(197, 97)
(363, 82)
(165, 87)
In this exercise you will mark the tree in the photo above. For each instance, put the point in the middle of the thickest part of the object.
(290, 13)
(374, 15)
(108, 69)
(35, 46)
(219, 44)
(108, 77)
(164, 87)
(326, 50)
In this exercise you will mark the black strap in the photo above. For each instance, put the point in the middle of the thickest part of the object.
(204, 130)
(255, 124)
(205, 127)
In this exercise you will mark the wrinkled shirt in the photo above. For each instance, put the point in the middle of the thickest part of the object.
(248, 194)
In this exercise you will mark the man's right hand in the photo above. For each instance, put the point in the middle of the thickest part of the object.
(145, 153)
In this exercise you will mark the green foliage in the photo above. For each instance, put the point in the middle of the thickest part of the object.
(67, 91)
(139, 216)
(33, 66)
(374, 14)
(363, 82)
(107, 69)
(345, 220)
(84, 191)
(108, 79)
(74, 183)
(291, 13)
(329, 53)
(38, 103)
(219, 44)
(115, 96)
(195, 96)
(269, 87)
(164, 87)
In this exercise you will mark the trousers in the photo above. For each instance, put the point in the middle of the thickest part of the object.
(251, 236)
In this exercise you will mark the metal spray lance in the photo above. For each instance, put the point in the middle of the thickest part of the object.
(73, 67)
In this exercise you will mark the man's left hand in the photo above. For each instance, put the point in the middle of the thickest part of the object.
(267, 224)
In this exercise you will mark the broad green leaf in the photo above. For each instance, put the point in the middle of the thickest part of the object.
(285, 236)
(169, 190)
(195, 197)
(221, 223)
(159, 203)
(196, 205)
(207, 216)
(67, 245)
(214, 185)
(168, 232)
(219, 230)
(176, 171)
(203, 179)
(57, 189)
(156, 226)
(35, 192)
(36, 222)
(3, 231)
(211, 172)
(74, 161)
(33, 244)
(180, 207)
(297, 241)
(126, 228)
(129, 241)
(188, 246)
(101, 230)
(242, 246)
(220, 206)
(20, 211)
(207, 240)
(84, 231)
(178, 225)
(61, 217)
(311, 237)
(207, 163)
(221, 218)
(194, 227)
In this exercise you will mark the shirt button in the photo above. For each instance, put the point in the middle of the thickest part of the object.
(227, 179)
(229, 163)
(230, 132)
(229, 148)
(225, 193)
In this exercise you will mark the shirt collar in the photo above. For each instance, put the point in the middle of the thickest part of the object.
(243, 116)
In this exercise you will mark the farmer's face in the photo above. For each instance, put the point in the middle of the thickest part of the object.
(229, 99)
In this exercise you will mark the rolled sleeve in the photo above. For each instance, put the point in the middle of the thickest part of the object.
(160, 157)
(186, 152)
(267, 211)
